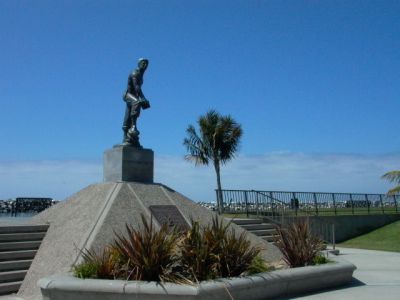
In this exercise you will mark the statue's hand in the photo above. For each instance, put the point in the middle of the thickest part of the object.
(145, 103)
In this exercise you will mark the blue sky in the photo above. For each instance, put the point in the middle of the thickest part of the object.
(313, 83)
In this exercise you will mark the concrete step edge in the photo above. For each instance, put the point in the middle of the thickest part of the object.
(264, 232)
(258, 226)
(15, 265)
(26, 245)
(8, 276)
(246, 221)
(271, 238)
(23, 228)
(22, 236)
(10, 287)
(17, 254)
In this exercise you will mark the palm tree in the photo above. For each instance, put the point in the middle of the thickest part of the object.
(393, 176)
(217, 141)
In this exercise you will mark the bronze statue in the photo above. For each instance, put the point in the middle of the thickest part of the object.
(135, 101)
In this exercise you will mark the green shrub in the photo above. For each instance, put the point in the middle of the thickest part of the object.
(258, 265)
(321, 259)
(215, 251)
(298, 246)
(97, 265)
(196, 256)
(234, 254)
(85, 270)
(148, 254)
(199, 254)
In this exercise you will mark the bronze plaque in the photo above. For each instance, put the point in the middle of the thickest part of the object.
(170, 215)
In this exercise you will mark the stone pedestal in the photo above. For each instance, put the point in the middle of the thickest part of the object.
(127, 163)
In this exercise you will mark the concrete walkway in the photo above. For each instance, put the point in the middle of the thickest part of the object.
(377, 277)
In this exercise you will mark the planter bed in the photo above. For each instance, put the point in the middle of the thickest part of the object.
(260, 286)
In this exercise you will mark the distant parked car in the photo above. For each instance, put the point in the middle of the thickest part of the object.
(358, 203)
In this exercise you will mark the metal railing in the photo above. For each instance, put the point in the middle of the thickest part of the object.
(279, 203)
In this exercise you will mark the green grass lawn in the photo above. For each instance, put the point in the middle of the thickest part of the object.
(386, 238)
(324, 212)
(238, 216)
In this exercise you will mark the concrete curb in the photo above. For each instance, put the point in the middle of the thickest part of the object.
(261, 286)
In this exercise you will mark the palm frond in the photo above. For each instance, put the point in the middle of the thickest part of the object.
(208, 122)
(393, 176)
(226, 138)
(394, 191)
(195, 147)
(198, 160)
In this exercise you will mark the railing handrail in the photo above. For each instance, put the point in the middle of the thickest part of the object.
(268, 196)
(282, 202)
(300, 192)
(306, 203)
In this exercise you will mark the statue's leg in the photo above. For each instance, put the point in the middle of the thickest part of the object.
(135, 113)
(133, 132)
(127, 122)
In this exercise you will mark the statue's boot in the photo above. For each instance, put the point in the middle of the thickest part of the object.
(125, 140)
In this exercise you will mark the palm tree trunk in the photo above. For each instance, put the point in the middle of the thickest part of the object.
(219, 187)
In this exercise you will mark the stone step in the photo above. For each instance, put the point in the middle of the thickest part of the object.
(19, 237)
(15, 265)
(258, 226)
(10, 287)
(23, 228)
(266, 232)
(246, 221)
(29, 245)
(270, 238)
(10, 276)
(16, 255)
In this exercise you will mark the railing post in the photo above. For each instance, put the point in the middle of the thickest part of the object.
(380, 197)
(315, 203)
(366, 198)
(295, 202)
(395, 201)
(352, 204)
(13, 210)
(271, 201)
(247, 205)
(334, 203)
(257, 204)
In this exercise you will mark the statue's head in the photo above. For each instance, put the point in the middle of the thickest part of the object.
(143, 63)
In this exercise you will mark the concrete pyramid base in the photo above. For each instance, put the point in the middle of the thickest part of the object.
(88, 219)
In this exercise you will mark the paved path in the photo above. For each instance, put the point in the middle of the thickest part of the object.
(377, 277)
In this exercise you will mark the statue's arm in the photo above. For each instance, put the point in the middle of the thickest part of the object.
(138, 88)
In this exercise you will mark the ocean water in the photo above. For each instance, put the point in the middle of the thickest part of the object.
(8, 218)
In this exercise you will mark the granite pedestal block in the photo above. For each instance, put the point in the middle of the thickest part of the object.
(127, 163)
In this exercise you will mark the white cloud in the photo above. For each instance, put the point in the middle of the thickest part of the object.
(283, 171)
(271, 171)
(56, 179)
